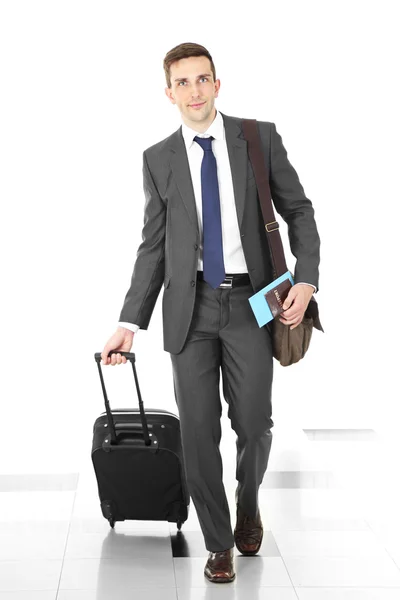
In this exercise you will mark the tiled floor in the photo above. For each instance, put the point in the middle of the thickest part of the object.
(329, 503)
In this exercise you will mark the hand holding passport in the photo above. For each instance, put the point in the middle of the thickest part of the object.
(267, 303)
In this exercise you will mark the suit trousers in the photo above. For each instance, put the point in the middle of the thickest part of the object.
(224, 334)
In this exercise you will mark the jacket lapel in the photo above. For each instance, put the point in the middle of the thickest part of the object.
(237, 152)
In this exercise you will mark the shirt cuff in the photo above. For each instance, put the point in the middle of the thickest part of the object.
(304, 283)
(131, 326)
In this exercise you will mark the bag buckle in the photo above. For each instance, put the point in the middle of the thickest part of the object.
(271, 223)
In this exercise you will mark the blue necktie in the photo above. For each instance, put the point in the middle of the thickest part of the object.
(213, 258)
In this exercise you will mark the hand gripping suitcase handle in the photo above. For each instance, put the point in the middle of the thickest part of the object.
(129, 355)
(132, 359)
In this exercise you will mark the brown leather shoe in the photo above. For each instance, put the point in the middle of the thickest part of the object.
(248, 532)
(220, 567)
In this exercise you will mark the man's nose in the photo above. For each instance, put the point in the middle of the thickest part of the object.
(195, 92)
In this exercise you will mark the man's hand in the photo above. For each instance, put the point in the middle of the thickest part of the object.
(121, 340)
(298, 298)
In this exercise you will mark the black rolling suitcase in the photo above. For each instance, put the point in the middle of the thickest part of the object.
(138, 461)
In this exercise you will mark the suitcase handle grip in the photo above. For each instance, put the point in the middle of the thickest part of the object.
(129, 355)
(113, 435)
(131, 426)
(128, 441)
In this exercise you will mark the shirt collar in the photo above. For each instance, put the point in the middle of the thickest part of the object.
(216, 129)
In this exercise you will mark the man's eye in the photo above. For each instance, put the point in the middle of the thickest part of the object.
(179, 83)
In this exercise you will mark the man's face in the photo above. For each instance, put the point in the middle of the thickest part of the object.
(192, 83)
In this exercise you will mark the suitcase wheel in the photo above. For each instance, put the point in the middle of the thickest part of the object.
(179, 525)
(112, 523)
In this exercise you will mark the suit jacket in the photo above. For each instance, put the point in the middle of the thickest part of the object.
(168, 253)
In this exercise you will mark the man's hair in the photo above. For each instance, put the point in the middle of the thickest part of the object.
(184, 51)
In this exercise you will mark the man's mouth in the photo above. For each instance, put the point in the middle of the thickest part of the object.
(196, 105)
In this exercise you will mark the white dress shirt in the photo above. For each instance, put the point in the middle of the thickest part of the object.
(234, 260)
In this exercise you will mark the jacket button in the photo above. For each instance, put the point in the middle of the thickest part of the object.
(195, 246)
(192, 283)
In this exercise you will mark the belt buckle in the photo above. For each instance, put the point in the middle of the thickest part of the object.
(227, 282)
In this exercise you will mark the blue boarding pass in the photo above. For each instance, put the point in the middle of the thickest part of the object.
(268, 297)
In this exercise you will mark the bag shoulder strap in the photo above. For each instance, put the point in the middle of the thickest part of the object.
(252, 136)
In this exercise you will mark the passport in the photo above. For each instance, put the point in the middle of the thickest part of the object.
(266, 304)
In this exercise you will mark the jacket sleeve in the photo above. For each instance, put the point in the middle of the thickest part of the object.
(297, 211)
(149, 268)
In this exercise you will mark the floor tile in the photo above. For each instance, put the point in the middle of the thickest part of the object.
(29, 506)
(329, 543)
(116, 544)
(32, 545)
(34, 527)
(331, 572)
(117, 576)
(29, 575)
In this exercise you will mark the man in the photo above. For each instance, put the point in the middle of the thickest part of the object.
(204, 239)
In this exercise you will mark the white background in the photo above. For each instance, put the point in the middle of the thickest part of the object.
(82, 95)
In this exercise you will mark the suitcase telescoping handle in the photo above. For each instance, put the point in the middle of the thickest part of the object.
(131, 357)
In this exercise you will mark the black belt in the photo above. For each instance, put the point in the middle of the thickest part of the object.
(233, 280)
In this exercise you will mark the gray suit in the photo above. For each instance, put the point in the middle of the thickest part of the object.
(206, 330)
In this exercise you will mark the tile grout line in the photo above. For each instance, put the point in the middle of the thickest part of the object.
(173, 562)
(381, 542)
(287, 570)
(66, 541)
